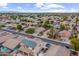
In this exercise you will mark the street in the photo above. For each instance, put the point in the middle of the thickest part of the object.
(44, 39)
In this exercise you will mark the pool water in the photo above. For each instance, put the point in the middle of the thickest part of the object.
(15, 48)
(4, 49)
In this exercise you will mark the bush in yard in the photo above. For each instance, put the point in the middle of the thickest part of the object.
(30, 30)
(19, 27)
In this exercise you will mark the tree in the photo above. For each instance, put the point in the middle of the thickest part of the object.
(30, 30)
(40, 23)
(51, 33)
(19, 27)
(65, 18)
(75, 43)
(47, 24)
(62, 27)
(2, 25)
(77, 20)
(13, 17)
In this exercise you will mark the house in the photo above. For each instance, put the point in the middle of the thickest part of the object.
(64, 35)
(28, 43)
(56, 50)
(23, 50)
(78, 35)
(3, 18)
(11, 43)
(5, 38)
(77, 27)
(38, 31)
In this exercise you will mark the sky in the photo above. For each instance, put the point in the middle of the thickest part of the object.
(39, 7)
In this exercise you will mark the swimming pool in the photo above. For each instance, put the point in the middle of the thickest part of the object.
(15, 48)
(4, 49)
(29, 43)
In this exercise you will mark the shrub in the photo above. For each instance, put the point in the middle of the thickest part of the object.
(19, 27)
(30, 30)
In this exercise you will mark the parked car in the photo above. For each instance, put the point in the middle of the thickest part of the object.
(44, 49)
(48, 45)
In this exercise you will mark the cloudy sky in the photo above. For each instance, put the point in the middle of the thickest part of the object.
(39, 7)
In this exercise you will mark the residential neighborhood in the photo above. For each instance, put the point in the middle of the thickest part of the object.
(39, 34)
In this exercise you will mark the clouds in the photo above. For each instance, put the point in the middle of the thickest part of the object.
(39, 7)
(52, 7)
(39, 1)
(48, 5)
(19, 7)
(3, 4)
(71, 10)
